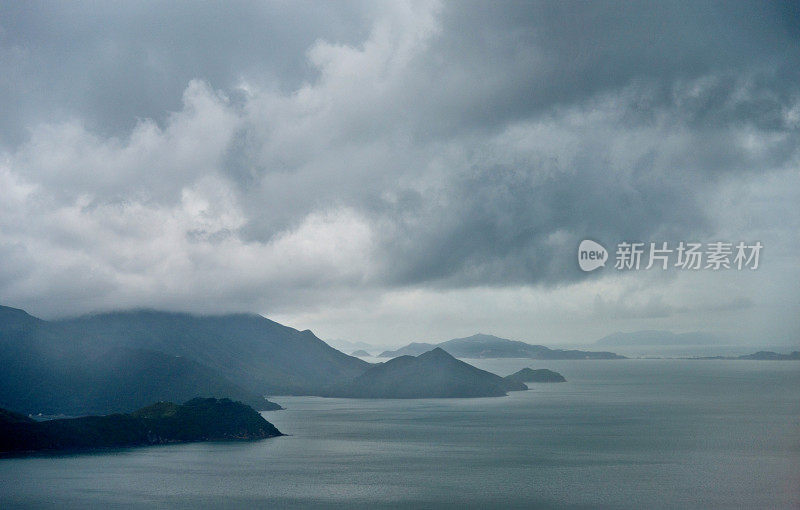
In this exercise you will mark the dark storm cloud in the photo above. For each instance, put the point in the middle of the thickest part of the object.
(112, 63)
(501, 61)
(705, 70)
(276, 154)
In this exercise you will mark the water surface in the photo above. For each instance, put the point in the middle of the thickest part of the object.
(618, 434)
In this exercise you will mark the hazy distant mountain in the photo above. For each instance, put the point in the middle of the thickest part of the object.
(360, 353)
(122, 361)
(412, 349)
(489, 346)
(541, 375)
(758, 356)
(770, 355)
(347, 346)
(669, 344)
(434, 374)
(658, 338)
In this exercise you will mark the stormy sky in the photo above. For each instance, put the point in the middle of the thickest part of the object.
(390, 172)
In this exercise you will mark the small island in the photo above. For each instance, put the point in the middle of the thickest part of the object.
(433, 374)
(200, 419)
(541, 375)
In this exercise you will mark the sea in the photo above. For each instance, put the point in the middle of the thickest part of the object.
(638, 433)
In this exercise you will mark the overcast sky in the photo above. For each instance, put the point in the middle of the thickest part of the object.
(395, 172)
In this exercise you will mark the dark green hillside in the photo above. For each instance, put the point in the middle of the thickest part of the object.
(200, 419)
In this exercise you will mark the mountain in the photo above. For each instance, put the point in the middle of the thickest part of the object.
(72, 380)
(346, 346)
(254, 352)
(360, 353)
(772, 356)
(694, 344)
(541, 375)
(657, 338)
(647, 343)
(412, 349)
(433, 374)
(120, 361)
(200, 419)
(489, 346)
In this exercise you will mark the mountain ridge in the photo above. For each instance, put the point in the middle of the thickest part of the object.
(119, 361)
(489, 346)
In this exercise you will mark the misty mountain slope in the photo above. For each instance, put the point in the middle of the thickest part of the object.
(434, 374)
(254, 352)
(489, 346)
(120, 361)
(14, 321)
(117, 380)
(46, 372)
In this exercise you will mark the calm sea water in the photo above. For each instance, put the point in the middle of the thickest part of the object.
(619, 434)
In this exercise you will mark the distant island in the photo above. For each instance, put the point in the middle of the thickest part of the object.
(760, 355)
(769, 355)
(541, 375)
(200, 419)
(658, 338)
(433, 374)
(489, 346)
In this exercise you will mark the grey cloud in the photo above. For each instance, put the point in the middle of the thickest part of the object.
(114, 63)
(297, 151)
(498, 62)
